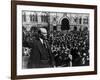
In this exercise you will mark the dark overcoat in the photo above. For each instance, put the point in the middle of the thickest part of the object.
(40, 57)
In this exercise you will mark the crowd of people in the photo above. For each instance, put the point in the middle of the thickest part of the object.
(69, 48)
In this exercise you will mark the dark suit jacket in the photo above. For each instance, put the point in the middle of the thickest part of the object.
(40, 56)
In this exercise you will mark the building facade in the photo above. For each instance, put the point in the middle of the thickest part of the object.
(55, 20)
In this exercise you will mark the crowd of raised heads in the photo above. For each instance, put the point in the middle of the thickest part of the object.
(69, 48)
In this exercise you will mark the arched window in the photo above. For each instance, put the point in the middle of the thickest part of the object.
(65, 24)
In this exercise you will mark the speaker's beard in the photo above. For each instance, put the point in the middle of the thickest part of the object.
(43, 37)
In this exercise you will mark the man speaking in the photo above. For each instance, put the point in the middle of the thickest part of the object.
(40, 56)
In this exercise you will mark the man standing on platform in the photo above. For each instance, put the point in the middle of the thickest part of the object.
(41, 56)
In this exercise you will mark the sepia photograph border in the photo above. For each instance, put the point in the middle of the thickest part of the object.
(14, 39)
